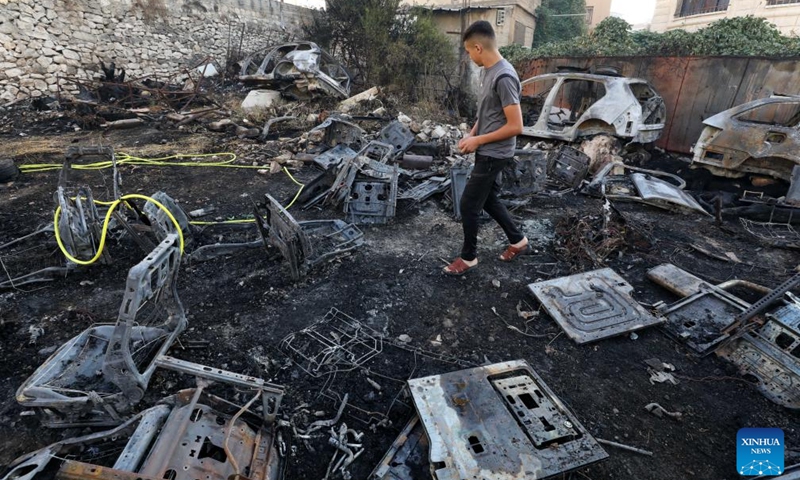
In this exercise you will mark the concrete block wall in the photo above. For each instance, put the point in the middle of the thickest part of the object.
(43, 40)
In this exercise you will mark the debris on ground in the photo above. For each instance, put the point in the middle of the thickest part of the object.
(286, 194)
(659, 411)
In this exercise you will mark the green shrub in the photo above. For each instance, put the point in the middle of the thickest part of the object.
(739, 36)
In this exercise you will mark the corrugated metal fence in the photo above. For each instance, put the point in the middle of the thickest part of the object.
(694, 88)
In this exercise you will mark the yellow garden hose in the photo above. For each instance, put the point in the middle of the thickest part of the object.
(111, 208)
(126, 159)
(224, 222)
(296, 183)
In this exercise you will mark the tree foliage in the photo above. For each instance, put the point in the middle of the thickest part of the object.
(738, 36)
(551, 28)
(383, 43)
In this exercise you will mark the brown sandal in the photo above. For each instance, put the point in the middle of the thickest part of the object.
(457, 268)
(512, 252)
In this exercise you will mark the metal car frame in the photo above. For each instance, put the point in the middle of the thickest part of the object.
(304, 245)
(731, 146)
(79, 222)
(98, 376)
(299, 69)
(189, 435)
(630, 109)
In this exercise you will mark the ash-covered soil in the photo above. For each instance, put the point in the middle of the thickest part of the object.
(244, 304)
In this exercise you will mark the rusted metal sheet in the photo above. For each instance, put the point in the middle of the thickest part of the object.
(74, 470)
(407, 458)
(675, 280)
(593, 305)
(499, 422)
(190, 435)
(693, 88)
(776, 370)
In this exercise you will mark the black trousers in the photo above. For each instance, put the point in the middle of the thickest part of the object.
(481, 193)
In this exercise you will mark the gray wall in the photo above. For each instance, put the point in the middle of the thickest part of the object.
(42, 40)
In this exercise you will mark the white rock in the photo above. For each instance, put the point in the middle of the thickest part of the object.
(71, 55)
(438, 132)
(261, 99)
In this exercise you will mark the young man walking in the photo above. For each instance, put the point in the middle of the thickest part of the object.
(493, 139)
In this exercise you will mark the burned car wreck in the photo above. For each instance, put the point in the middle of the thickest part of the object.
(570, 106)
(758, 137)
(299, 70)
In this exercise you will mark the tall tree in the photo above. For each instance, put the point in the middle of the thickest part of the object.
(559, 20)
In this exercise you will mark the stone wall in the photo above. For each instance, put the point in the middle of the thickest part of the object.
(43, 41)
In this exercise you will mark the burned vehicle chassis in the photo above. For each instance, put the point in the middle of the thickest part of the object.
(187, 435)
(299, 70)
(581, 104)
(758, 137)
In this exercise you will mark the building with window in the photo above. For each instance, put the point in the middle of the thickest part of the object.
(513, 20)
(597, 11)
(695, 14)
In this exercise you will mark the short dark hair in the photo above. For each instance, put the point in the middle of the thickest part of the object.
(481, 28)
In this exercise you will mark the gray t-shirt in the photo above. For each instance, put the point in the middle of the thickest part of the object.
(491, 101)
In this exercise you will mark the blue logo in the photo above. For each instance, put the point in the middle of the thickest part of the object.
(759, 451)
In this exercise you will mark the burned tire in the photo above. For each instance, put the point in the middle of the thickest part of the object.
(8, 171)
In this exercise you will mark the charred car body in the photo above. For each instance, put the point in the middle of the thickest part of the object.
(758, 137)
(568, 106)
(299, 70)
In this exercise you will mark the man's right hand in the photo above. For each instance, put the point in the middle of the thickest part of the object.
(461, 142)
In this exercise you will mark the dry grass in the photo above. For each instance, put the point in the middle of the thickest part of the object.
(51, 149)
(33, 147)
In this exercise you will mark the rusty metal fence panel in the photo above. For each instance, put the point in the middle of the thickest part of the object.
(694, 88)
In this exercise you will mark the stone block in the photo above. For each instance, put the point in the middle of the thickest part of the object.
(39, 32)
(24, 25)
(70, 54)
(261, 99)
